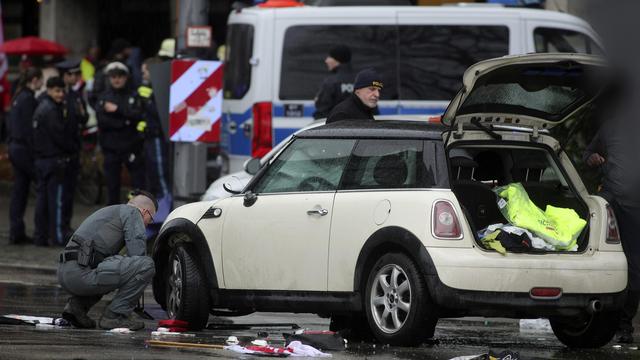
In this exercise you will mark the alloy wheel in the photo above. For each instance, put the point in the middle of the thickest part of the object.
(390, 298)
(175, 288)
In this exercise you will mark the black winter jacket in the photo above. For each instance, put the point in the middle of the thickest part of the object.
(53, 133)
(351, 108)
(20, 120)
(118, 131)
(335, 88)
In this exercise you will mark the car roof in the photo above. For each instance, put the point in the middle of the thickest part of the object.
(379, 129)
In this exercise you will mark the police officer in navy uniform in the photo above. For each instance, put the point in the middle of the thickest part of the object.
(119, 111)
(20, 131)
(337, 86)
(77, 116)
(54, 146)
(362, 104)
(155, 146)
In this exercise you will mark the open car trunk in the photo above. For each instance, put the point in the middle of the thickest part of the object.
(477, 170)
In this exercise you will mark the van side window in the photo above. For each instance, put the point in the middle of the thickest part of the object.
(237, 70)
(561, 40)
(306, 47)
(433, 58)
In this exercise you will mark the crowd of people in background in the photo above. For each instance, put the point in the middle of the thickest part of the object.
(44, 134)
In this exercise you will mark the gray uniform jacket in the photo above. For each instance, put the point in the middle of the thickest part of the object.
(113, 227)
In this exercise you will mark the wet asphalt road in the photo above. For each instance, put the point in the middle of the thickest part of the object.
(37, 294)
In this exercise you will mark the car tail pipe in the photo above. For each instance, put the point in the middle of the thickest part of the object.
(595, 306)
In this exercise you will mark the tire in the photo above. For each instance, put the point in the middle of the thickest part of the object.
(397, 302)
(593, 332)
(186, 291)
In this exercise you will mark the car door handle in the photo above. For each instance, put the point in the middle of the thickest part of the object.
(321, 212)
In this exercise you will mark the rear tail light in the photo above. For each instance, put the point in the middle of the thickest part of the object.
(542, 293)
(613, 235)
(444, 221)
(262, 138)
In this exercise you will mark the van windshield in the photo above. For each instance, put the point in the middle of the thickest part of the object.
(238, 53)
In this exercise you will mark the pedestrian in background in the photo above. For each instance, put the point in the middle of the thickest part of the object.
(54, 147)
(119, 110)
(155, 145)
(337, 86)
(77, 116)
(90, 265)
(362, 104)
(119, 52)
(20, 138)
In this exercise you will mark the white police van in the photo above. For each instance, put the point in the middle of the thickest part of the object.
(275, 59)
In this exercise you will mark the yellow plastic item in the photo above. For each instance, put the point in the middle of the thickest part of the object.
(490, 241)
(560, 227)
(145, 91)
(142, 125)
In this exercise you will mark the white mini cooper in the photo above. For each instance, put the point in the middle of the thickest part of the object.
(375, 223)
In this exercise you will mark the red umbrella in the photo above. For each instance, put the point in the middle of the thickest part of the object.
(32, 45)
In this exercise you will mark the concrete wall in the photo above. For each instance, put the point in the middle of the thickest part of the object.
(72, 23)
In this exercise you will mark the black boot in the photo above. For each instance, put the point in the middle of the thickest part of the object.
(76, 314)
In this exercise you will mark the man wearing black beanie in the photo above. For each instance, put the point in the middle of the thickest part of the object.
(337, 86)
(362, 104)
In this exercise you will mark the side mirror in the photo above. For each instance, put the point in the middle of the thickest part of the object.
(252, 166)
(234, 186)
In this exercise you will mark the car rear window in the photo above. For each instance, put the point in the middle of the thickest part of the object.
(238, 53)
(565, 41)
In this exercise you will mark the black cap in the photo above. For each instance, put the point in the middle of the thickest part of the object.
(55, 82)
(367, 77)
(69, 66)
(340, 53)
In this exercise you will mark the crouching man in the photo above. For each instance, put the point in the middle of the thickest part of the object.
(90, 265)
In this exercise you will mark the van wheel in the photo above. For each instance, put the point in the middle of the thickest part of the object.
(397, 302)
(186, 294)
(593, 332)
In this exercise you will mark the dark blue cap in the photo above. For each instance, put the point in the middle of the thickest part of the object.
(69, 65)
(368, 77)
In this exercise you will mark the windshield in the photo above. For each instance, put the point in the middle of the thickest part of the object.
(546, 91)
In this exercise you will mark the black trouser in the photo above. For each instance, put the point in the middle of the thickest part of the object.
(23, 174)
(49, 210)
(155, 161)
(69, 187)
(628, 218)
(113, 162)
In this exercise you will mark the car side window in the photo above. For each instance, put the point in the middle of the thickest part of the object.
(389, 164)
(307, 165)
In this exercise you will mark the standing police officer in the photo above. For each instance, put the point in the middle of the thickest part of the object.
(53, 143)
(77, 116)
(155, 147)
(337, 86)
(362, 104)
(91, 267)
(119, 111)
(20, 130)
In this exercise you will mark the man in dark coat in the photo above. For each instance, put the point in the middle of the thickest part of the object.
(119, 111)
(363, 102)
(77, 117)
(54, 146)
(337, 86)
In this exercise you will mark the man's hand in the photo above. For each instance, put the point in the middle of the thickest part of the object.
(595, 160)
(110, 107)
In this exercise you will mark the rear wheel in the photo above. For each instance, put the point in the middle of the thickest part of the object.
(397, 303)
(592, 332)
(186, 293)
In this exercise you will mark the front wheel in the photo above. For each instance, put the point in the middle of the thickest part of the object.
(397, 303)
(186, 294)
(594, 331)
